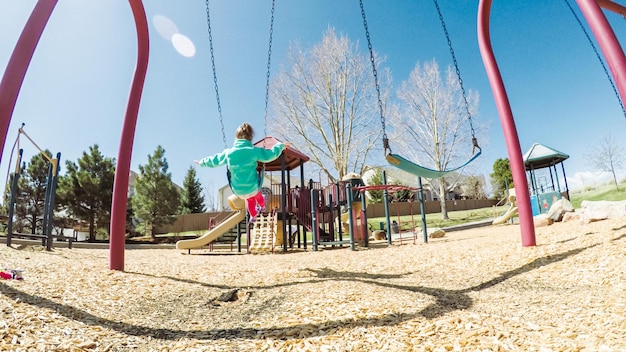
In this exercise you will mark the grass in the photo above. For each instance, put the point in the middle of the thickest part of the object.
(434, 220)
(605, 192)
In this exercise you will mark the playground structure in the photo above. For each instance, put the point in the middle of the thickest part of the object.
(546, 189)
(325, 216)
(332, 215)
(26, 45)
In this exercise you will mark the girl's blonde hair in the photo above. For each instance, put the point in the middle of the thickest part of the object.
(245, 131)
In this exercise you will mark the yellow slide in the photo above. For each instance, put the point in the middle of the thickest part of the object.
(236, 204)
(511, 212)
(212, 235)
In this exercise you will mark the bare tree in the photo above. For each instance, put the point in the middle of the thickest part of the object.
(325, 104)
(608, 156)
(432, 125)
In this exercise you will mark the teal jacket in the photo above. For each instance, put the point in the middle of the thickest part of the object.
(242, 161)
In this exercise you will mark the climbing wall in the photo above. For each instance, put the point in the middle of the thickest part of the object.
(263, 233)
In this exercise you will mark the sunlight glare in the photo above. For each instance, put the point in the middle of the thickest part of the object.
(166, 28)
(183, 45)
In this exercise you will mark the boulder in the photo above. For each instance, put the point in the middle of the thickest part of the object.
(559, 209)
(379, 235)
(600, 210)
(570, 216)
(436, 232)
(542, 220)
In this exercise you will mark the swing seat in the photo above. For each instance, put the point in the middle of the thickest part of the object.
(418, 170)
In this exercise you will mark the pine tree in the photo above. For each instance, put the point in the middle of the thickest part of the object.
(192, 198)
(29, 205)
(86, 189)
(156, 198)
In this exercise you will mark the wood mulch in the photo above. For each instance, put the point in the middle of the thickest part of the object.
(471, 290)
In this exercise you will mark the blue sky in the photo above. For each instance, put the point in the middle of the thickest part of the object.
(75, 92)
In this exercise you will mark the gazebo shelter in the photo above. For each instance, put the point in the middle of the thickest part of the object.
(545, 187)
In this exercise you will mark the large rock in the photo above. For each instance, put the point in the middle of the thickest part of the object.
(379, 235)
(570, 216)
(600, 210)
(559, 208)
(437, 232)
(542, 220)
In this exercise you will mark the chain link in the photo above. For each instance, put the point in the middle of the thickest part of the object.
(608, 75)
(458, 74)
(217, 93)
(375, 72)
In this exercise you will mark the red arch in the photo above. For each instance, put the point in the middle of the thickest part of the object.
(122, 170)
(617, 63)
(18, 63)
(12, 82)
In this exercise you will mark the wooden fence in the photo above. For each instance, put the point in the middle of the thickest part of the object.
(407, 208)
(193, 222)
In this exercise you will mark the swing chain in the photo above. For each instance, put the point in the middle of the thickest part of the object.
(375, 72)
(458, 74)
(267, 76)
(217, 93)
(598, 56)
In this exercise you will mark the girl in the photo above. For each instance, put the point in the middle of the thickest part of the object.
(241, 161)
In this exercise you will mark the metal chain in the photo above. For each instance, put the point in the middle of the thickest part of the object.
(458, 74)
(375, 72)
(608, 75)
(267, 77)
(217, 93)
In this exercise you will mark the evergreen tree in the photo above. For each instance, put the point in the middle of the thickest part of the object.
(156, 199)
(376, 180)
(501, 177)
(86, 189)
(31, 194)
(192, 198)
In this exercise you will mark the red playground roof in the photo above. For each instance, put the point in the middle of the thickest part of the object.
(293, 157)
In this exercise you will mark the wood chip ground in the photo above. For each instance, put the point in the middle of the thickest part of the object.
(472, 290)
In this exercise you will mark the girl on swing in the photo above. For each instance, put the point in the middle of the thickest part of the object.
(241, 161)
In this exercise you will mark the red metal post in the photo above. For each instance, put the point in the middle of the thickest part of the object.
(122, 173)
(508, 125)
(612, 6)
(18, 63)
(605, 36)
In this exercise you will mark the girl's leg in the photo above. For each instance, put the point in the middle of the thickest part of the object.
(260, 200)
(251, 205)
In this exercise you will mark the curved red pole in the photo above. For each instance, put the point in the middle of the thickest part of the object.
(18, 63)
(606, 39)
(122, 171)
(610, 5)
(508, 125)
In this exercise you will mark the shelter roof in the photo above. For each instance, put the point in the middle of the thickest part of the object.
(540, 156)
(293, 157)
